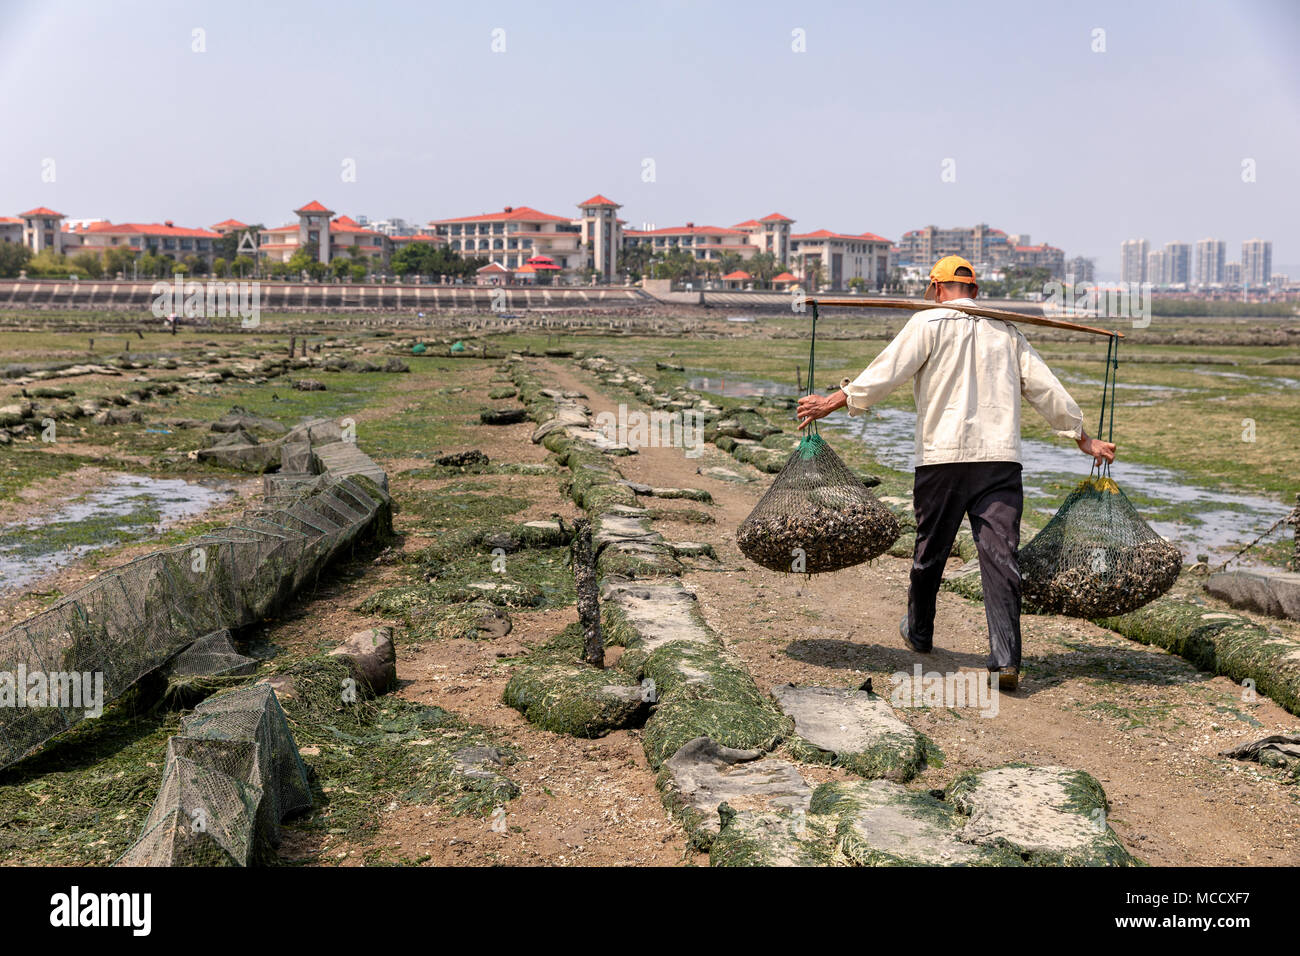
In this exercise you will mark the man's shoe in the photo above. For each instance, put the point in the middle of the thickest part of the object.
(1008, 678)
(904, 628)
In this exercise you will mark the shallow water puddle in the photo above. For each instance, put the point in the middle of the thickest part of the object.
(125, 508)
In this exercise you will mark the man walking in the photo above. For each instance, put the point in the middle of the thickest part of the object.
(970, 375)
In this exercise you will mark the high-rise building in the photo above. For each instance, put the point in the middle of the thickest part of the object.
(1178, 263)
(1211, 254)
(1157, 268)
(1256, 263)
(1232, 275)
(1133, 260)
(1083, 270)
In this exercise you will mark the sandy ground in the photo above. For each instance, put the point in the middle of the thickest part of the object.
(1146, 724)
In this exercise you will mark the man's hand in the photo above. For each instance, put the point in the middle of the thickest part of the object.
(813, 407)
(1098, 449)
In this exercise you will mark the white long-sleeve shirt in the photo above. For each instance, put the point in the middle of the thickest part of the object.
(970, 374)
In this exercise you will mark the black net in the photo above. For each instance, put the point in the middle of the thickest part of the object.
(818, 516)
(1097, 557)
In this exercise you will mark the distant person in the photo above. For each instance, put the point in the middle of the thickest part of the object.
(970, 375)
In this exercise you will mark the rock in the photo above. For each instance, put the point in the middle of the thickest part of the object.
(1276, 593)
(575, 699)
(308, 385)
(284, 686)
(462, 459)
(119, 416)
(564, 417)
(703, 774)
(226, 439)
(395, 364)
(503, 416)
(1050, 816)
(751, 838)
(240, 418)
(372, 657)
(723, 474)
(251, 458)
(296, 458)
(853, 728)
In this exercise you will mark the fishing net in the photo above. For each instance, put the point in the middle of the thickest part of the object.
(93, 644)
(818, 516)
(231, 775)
(1097, 557)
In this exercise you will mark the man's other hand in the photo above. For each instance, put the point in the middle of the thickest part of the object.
(1098, 449)
(813, 407)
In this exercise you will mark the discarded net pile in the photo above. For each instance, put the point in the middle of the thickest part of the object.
(231, 775)
(1097, 557)
(818, 516)
(132, 619)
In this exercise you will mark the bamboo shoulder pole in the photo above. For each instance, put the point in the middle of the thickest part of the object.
(1006, 315)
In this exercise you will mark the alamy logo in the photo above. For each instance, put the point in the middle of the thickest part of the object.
(959, 689)
(655, 429)
(210, 300)
(1120, 300)
(66, 690)
(74, 909)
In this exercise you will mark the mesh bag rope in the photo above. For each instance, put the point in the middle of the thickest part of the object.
(817, 516)
(1097, 557)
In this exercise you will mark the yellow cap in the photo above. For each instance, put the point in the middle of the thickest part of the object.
(945, 270)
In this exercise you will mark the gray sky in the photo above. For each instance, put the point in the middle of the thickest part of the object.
(1079, 148)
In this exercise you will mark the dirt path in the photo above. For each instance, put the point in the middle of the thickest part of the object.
(1146, 724)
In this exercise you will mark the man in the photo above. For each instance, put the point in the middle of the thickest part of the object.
(970, 374)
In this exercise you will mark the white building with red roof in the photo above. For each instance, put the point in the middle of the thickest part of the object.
(42, 229)
(159, 238)
(707, 243)
(842, 257)
(331, 236)
(602, 235)
(771, 234)
(515, 235)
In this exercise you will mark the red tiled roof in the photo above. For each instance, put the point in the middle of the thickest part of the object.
(747, 223)
(776, 217)
(10, 219)
(291, 227)
(511, 213)
(599, 200)
(784, 277)
(231, 224)
(346, 224)
(493, 267)
(147, 229)
(738, 275)
(313, 206)
(827, 234)
(41, 211)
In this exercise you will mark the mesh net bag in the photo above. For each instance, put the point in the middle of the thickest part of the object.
(818, 516)
(1097, 557)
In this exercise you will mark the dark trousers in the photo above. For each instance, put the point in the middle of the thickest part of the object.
(991, 494)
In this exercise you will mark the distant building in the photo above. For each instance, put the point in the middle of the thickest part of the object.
(842, 258)
(1232, 275)
(1211, 254)
(1256, 263)
(515, 235)
(331, 236)
(984, 246)
(1041, 256)
(164, 238)
(1083, 270)
(602, 235)
(11, 229)
(42, 229)
(770, 234)
(707, 243)
(1133, 260)
(1157, 272)
(1178, 263)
